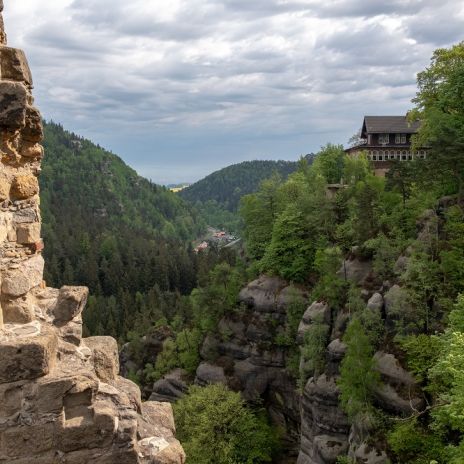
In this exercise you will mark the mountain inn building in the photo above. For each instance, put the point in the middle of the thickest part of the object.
(385, 139)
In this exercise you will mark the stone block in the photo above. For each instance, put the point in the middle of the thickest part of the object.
(105, 357)
(28, 357)
(71, 302)
(18, 310)
(32, 150)
(33, 131)
(14, 66)
(157, 419)
(26, 216)
(24, 187)
(103, 456)
(29, 274)
(131, 392)
(13, 100)
(28, 233)
(71, 331)
(4, 188)
(11, 399)
(50, 394)
(5, 225)
(18, 442)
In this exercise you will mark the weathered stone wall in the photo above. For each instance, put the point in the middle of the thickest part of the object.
(61, 398)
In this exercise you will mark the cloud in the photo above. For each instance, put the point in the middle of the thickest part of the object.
(180, 88)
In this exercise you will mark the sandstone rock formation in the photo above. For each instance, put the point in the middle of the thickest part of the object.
(61, 399)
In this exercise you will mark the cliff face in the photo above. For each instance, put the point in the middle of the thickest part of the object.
(61, 398)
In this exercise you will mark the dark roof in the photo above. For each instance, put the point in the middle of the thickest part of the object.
(389, 125)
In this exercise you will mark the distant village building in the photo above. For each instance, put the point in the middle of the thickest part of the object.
(200, 247)
(385, 139)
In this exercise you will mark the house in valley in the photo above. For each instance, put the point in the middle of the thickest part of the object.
(387, 138)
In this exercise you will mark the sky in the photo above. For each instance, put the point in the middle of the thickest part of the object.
(181, 88)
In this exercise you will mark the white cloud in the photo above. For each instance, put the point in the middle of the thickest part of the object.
(197, 84)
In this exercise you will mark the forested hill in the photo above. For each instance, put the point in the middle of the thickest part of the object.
(84, 184)
(106, 227)
(228, 185)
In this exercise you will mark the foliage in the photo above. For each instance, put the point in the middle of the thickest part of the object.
(290, 253)
(183, 352)
(330, 287)
(329, 163)
(313, 349)
(440, 107)
(358, 377)
(259, 212)
(413, 443)
(216, 427)
(449, 372)
(422, 352)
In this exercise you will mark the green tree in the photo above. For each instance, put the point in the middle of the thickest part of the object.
(329, 163)
(259, 212)
(291, 251)
(358, 378)
(216, 427)
(440, 107)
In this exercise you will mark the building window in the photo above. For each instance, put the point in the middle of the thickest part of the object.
(400, 138)
(384, 138)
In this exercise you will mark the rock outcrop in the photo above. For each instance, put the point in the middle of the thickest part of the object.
(244, 355)
(61, 399)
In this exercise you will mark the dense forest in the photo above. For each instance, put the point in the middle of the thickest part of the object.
(218, 195)
(104, 226)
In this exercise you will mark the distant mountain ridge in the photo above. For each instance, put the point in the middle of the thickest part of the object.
(226, 186)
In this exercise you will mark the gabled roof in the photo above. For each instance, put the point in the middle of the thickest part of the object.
(388, 125)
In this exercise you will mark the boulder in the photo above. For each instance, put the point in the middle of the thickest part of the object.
(24, 187)
(375, 302)
(336, 350)
(262, 294)
(70, 303)
(208, 374)
(14, 66)
(366, 454)
(327, 448)
(13, 101)
(391, 371)
(29, 274)
(288, 296)
(355, 270)
(389, 399)
(398, 392)
(317, 312)
(105, 357)
(170, 388)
